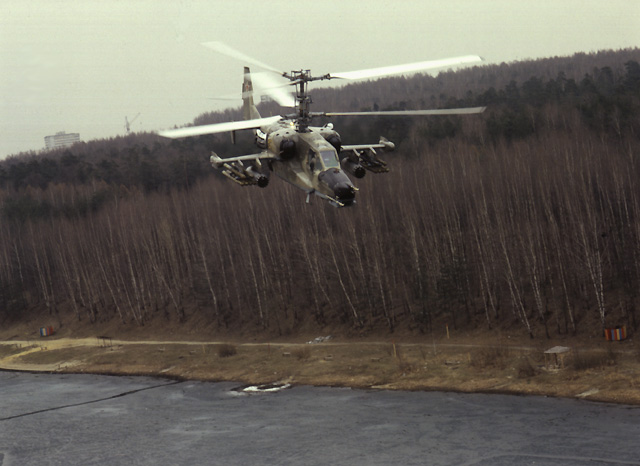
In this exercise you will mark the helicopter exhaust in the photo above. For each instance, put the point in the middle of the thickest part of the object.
(260, 139)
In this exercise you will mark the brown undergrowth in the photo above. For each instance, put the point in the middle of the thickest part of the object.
(599, 372)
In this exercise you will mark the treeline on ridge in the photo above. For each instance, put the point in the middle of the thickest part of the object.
(527, 216)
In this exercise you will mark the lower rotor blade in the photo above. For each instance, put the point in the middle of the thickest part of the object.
(218, 127)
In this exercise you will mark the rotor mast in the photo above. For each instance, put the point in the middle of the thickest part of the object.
(303, 101)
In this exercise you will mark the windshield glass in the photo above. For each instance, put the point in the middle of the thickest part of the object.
(329, 159)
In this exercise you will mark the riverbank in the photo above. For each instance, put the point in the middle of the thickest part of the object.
(594, 372)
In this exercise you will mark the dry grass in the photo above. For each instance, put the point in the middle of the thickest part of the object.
(302, 354)
(9, 350)
(56, 356)
(492, 357)
(524, 368)
(227, 350)
(409, 366)
(585, 360)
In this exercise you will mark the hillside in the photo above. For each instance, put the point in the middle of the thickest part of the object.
(526, 217)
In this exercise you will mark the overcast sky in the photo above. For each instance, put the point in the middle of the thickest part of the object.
(83, 65)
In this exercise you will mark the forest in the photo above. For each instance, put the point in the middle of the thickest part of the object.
(525, 217)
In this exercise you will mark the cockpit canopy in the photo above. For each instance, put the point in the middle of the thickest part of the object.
(329, 159)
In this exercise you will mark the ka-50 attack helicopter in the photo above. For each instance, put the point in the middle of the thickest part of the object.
(311, 158)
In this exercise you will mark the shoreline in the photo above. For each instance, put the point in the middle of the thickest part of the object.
(455, 367)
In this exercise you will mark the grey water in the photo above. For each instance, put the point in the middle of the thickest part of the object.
(57, 419)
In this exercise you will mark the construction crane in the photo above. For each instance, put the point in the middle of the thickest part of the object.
(127, 123)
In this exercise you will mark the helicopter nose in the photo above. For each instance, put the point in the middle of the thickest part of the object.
(344, 192)
(340, 184)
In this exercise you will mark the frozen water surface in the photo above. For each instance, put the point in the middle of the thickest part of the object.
(55, 419)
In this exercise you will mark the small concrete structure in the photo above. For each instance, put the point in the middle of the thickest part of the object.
(554, 357)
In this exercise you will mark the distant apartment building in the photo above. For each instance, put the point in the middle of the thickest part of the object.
(61, 139)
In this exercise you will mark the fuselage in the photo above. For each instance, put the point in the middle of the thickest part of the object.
(309, 160)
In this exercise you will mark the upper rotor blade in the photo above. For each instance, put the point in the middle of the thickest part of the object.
(445, 111)
(218, 127)
(230, 52)
(408, 68)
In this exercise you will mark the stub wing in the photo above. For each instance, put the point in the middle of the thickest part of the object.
(384, 143)
(217, 162)
(357, 147)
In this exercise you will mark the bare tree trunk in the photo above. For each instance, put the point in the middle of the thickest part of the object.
(356, 317)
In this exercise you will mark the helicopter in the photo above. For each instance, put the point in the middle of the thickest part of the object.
(312, 158)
